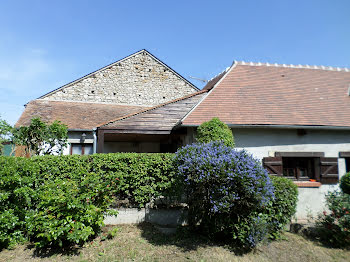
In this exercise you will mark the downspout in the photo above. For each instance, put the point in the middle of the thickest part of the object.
(94, 147)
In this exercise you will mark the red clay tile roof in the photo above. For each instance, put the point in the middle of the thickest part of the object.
(161, 118)
(263, 94)
(76, 115)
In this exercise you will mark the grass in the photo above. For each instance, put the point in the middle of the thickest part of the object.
(144, 243)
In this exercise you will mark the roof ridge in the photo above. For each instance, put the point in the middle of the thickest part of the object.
(152, 108)
(223, 71)
(326, 68)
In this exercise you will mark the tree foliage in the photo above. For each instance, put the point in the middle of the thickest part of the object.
(5, 134)
(215, 130)
(40, 138)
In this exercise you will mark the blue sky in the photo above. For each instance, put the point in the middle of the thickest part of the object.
(45, 44)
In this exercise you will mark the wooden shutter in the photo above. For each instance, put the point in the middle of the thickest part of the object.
(329, 170)
(273, 165)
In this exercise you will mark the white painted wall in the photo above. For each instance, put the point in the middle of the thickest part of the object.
(265, 142)
(262, 141)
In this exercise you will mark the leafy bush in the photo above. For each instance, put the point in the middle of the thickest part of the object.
(41, 138)
(345, 183)
(281, 209)
(215, 130)
(334, 225)
(142, 177)
(5, 134)
(10, 229)
(226, 190)
(69, 211)
(59, 200)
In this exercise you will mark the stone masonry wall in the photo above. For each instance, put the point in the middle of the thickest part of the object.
(137, 80)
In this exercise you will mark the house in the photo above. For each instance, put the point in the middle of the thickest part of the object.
(295, 119)
(127, 86)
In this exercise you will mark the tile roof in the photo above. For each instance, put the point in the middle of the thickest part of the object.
(161, 118)
(77, 115)
(271, 94)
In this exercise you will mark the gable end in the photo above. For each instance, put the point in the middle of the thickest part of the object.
(139, 79)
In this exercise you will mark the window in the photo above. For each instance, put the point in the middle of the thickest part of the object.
(81, 149)
(299, 168)
(303, 166)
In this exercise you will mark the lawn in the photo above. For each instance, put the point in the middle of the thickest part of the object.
(144, 243)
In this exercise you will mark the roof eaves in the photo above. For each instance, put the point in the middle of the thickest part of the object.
(152, 108)
(282, 126)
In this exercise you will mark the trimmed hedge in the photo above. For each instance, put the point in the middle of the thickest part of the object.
(141, 176)
(215, 130)
(60, 200)
(345, 183)
(281, 209)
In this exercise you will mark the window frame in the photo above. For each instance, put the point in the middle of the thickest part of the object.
(325, 168)
(82, 148)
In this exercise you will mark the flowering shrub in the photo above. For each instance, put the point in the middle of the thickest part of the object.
(215, 130)
(226, 191)
(345, 183)
(334, 225)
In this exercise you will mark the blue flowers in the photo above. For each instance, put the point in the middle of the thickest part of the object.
(232, 176)
(225, 186)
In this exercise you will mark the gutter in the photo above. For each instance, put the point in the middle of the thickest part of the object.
(81, 130)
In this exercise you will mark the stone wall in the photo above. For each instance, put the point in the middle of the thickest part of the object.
(137, 80)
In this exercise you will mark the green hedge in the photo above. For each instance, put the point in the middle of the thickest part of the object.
(141, 176)
(345, 183)
(63, 199)
(281, 210)
(215, 130)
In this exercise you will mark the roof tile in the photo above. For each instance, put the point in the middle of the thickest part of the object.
(77, 115)
(277, 95)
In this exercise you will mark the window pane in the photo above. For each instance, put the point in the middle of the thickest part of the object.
(299, 167)
(76, 149)
(88, 149)
(347, 163)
